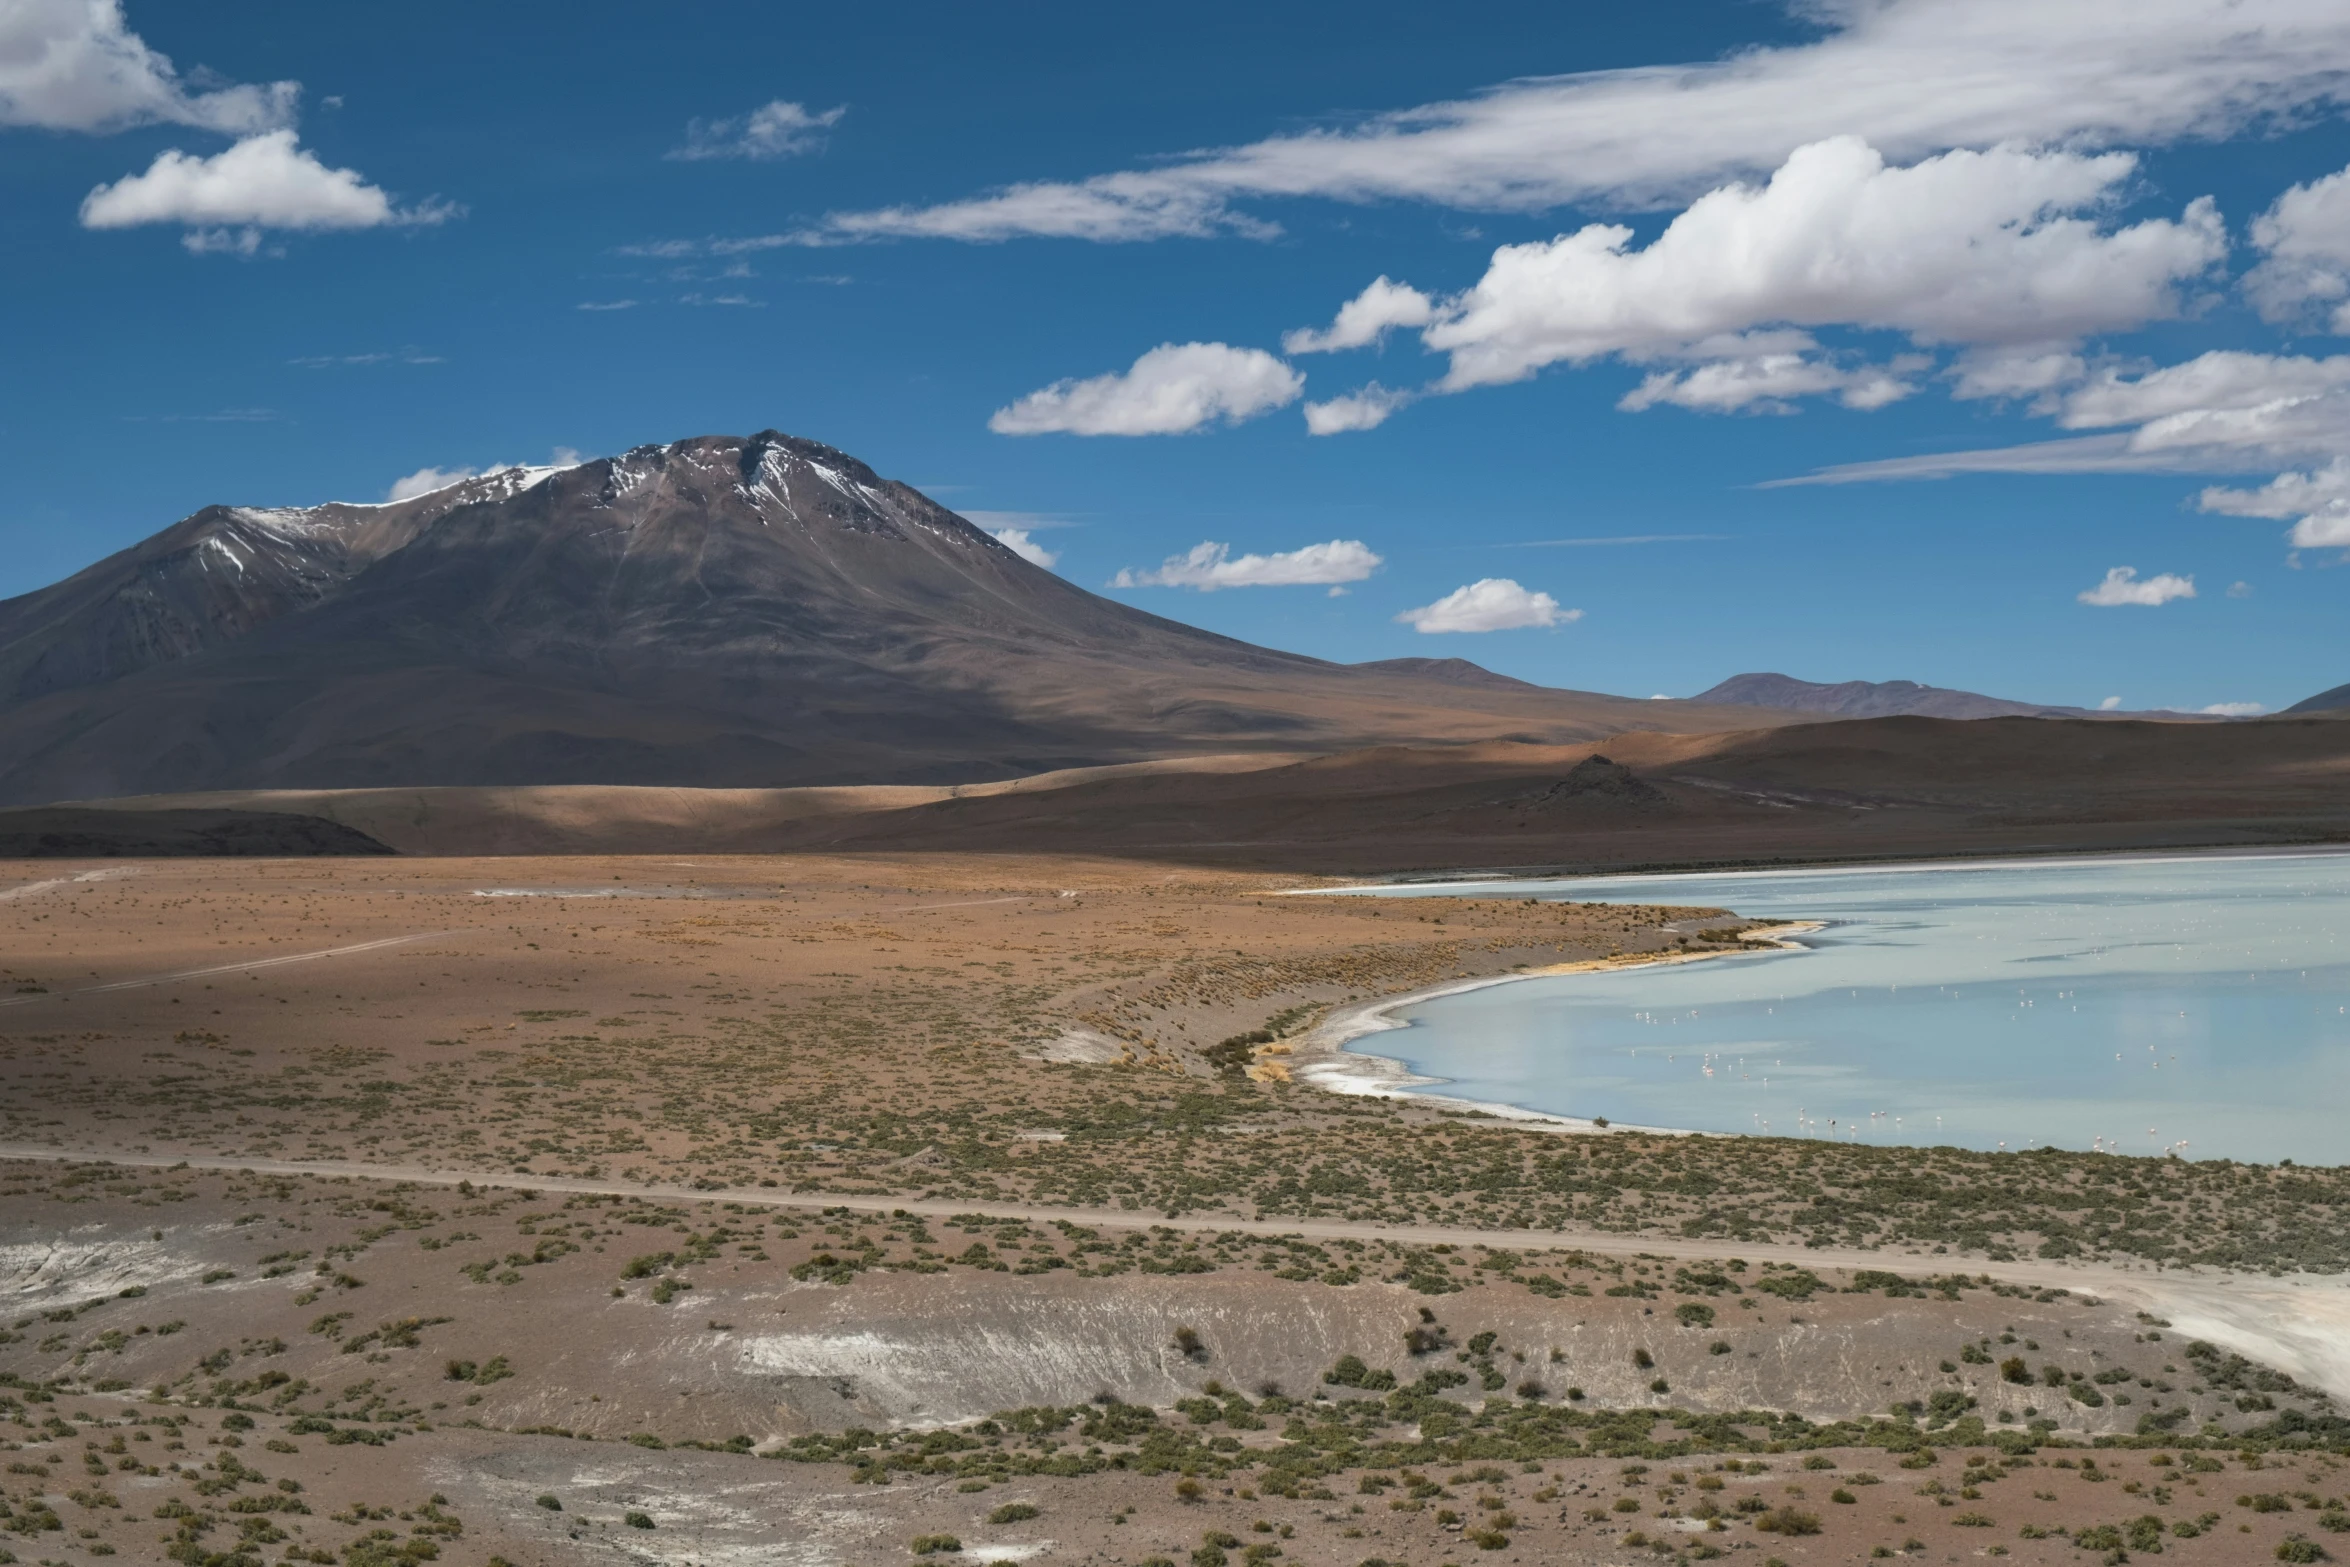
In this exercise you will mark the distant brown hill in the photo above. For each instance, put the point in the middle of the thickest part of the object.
(716, 612)
(1890, 699)
(1858, 789)
(1855, 789)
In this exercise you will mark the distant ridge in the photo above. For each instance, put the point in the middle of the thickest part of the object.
(1879, 699)
(1452, 671)
(2333, 701)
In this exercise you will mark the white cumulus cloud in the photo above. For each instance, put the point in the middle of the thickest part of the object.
(2234, 709)
(2318, 501)
(426, 480)
(1365, 408)
(1174, 388)
(2326, 528)
(1767, 382)
(262, 182)
(1365, 319)
(2306, 270)
(1913, 77)
(1967, 247)
(2123, 585)
(71, 65)
(2286, 495)
(2110, 704)
(1488, 604)
(1021, 543)
(1208, 567)
(780, 129)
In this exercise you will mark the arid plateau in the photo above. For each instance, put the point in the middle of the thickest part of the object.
(809, 1208)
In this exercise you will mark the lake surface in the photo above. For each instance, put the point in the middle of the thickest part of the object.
(2195, 1004)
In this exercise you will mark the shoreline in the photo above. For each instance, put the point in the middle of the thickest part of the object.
(1668, 870)
(1324, 1056)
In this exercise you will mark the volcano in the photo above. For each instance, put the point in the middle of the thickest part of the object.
(720, 611)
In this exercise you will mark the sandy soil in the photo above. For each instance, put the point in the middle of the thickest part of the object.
(375, 1345)
(417, 1162)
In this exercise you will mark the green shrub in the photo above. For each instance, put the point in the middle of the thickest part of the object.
(1788, 1521)
(637, 1520)
(1014, 1512)
(1799, 1285)
(1351, 1372)
(935, 1544)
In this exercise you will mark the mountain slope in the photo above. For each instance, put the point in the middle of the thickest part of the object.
(206, 581)
(2334, 701)
(715, 612)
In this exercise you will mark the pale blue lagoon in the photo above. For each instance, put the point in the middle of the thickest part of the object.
(2196, 1004)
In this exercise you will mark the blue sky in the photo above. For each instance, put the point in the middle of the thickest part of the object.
(2053, 291)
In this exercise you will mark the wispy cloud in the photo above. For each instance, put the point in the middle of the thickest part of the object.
(605, 304)
(424, 481)
(1616, 539)
(2083, 454)
(1208, 567)
(1913, 77)
(1031, 521)
(218, 416)
(780, 129)
(397, 356)
(2222, 412)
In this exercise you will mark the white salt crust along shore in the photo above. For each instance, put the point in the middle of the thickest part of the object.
(1322, 1057)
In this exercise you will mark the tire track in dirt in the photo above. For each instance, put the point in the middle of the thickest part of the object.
(239, 967)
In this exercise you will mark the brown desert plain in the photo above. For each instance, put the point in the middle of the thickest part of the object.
(950, 1198)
